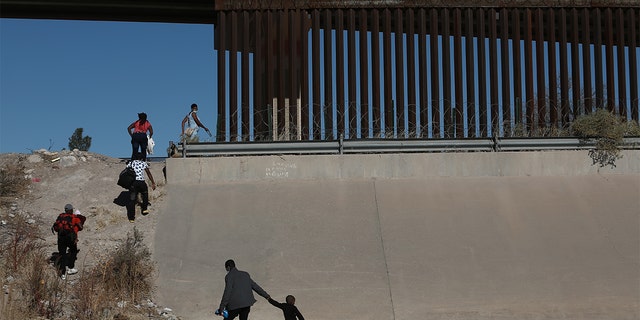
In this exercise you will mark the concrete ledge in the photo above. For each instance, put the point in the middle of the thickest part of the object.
(390, 166)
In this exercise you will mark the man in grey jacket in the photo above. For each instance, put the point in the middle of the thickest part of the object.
(238, 298)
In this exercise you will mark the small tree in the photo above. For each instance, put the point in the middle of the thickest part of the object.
(77, 141)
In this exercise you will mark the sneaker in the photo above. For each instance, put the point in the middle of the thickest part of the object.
(72, 271)
(63, 277)
(132, 221)
(145, 212)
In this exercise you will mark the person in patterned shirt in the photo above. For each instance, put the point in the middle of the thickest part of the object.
(140, 185)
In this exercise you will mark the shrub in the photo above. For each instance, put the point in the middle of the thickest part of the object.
(77, 141)
(112, 289)
(123, 278)
(31, 287)
(13, 182)
(608, 131)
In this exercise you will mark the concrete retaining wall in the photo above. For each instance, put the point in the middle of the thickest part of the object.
(479, 164)
(470, 236)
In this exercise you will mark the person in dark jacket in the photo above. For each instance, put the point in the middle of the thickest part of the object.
(238, 298)
(67, 226)
(289, 309)
(139, 166)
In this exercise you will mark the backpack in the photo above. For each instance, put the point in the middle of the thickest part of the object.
(126, 178)
(64, 224)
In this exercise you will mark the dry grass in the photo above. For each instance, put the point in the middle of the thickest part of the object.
(13, 182)
(607, 130)
(113, 289)
(120, 280)
(32, 288)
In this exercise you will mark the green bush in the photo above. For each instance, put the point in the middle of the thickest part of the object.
(77, 141)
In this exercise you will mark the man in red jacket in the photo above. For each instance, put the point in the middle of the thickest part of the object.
(67, 226)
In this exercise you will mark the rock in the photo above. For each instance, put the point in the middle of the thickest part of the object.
(68, 161)
(34, 158)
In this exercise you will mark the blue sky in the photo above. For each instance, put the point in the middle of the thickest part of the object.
(56, 76)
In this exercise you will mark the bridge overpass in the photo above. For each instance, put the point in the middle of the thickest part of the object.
(512, 235)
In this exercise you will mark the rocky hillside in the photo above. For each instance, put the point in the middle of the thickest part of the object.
(88, 181)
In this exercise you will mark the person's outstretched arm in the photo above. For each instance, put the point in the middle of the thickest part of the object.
(259, 290)
(153, 181)
(275, 303)
(298, 314)
(195, 117)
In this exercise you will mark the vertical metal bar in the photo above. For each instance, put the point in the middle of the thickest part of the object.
(270, 79)
(411, 71)
(553, 70)
(283, 67)
(294, 57)
(597, 57)
(519, 107)
(220, 38)
(622, 67)
(315, 62)
(340, 72)
(246, 48)
(540, 68)
(446, 73)
(586, 58)
(471, 79)
(259, 109)
(423, 69)
(399, 49)
(376, 110)
(575, 63)
(634, 28)
(482, 73)
(435, 73)
(493, 72)
(611, 93)
(351, 60)
(506, 67)
(389, 119)
(457, 63)
(294, 66)
(564, 69)
(233, 78)
(304, 74)
(328, 75)
(528, 69)
(364, 76)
